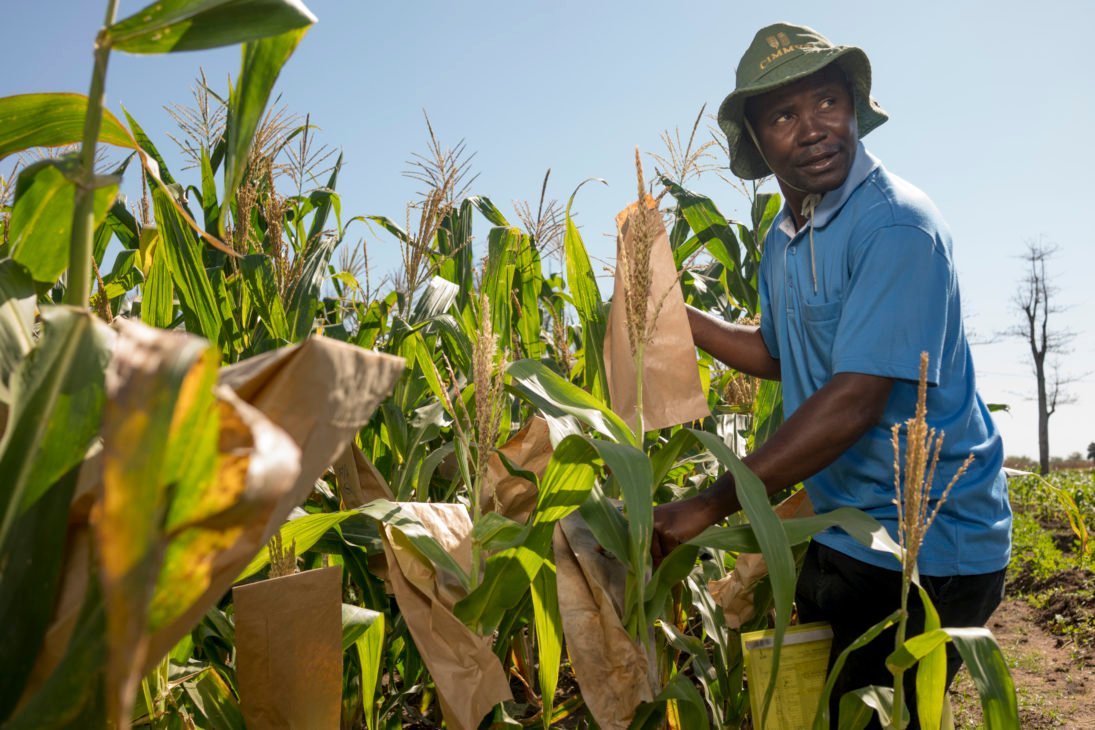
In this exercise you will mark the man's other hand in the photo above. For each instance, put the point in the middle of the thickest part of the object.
(678, 522)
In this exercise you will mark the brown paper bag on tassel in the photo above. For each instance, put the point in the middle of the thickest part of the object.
(289, 650)
(359, 481)
(671, 379)
(734, 594)
(611, 669)
(512, 496)
(469, 677)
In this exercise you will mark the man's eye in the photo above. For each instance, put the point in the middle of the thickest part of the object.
(828, 102)
(782, 118)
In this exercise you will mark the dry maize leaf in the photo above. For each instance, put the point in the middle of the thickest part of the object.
(734, 594)
(469, 677)
(289, 650)
(612, 670)
(206, 526)
(156, 434)
(513, 496)
(671, 381)
(319, 393)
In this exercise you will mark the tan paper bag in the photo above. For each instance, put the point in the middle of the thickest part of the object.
(512, 496)
(289, 650)
(734, 594)
(469, 677)
(612, 670)
(671, 380)
(359, 481)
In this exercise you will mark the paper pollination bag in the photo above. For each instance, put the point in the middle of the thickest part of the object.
(734, 594)
(513, 496)
(289, 650)
(672, 393)
(612, 670)
(469, 677)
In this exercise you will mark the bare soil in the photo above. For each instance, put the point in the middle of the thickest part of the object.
(1046, 629)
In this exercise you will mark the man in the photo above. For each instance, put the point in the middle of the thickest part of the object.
(856, 280)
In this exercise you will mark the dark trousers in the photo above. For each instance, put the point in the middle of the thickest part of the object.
(853, 596)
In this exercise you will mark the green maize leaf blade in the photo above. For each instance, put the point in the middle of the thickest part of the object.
(564, 487)
(41, 217)
(304, 531)
(632, 471)
(772, 539)
(440, 294)
(158, 290)
(17, 306)
(262, 62)
(529, 281)
(685, 705)
(390, 226)
(304, 297)
(989, 670)
(483, 204)
(495, 531)
(674, 568)
(370, 654)
(32, 557)
(548, 623)
(582, 284)
(821, 719)
(183, 254)
(356, 622)
(168, 26)
(931, 675)
(123, 225)
(767, 412)
(214, 701)
(860, 705)
(258, 276)
(72, 695)
(607, 524)
(211, 208)
(57, 398)
(325, 200)
(145, 144)
(52, 120)
(549, 392)
(498, 281)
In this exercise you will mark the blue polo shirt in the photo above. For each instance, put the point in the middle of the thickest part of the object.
(886, 291)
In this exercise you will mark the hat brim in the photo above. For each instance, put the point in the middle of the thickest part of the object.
(745, 159)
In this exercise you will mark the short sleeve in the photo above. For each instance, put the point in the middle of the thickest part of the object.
(900, 293)
(767, 322)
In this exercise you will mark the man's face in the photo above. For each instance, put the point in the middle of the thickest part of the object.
(808, 130)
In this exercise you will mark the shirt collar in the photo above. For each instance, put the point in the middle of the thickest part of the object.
(863, 165)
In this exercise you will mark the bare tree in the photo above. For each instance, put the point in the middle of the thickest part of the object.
(1035, 299)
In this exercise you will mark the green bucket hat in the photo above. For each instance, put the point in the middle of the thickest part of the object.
(780, 54)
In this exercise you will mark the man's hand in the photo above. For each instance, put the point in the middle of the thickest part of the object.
(678, 522)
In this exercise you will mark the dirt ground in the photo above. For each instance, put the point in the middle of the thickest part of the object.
(1054, 674)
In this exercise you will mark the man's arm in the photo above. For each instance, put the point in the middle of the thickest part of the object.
(822, 429)
(739, 346)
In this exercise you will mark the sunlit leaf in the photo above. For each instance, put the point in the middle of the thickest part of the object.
(52, 120)
(188, 25)
(41, 218)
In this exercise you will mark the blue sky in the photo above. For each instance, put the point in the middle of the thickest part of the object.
(991, 110)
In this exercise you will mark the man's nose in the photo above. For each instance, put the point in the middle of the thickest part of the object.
(811, 130)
